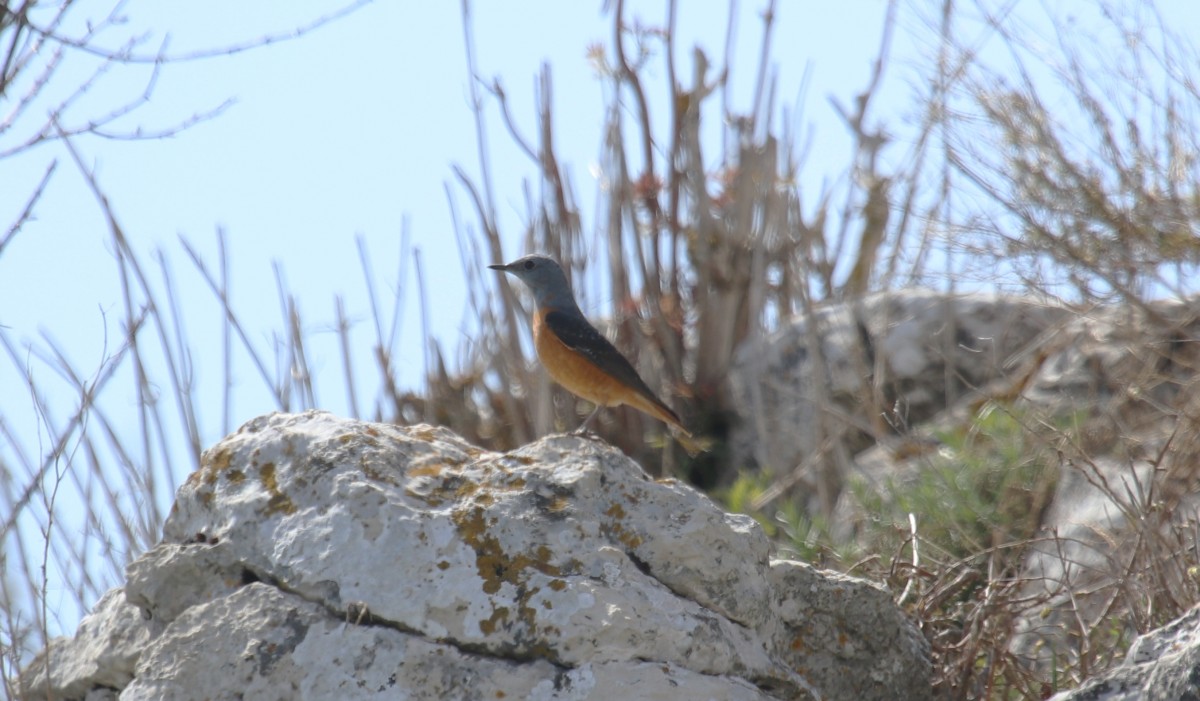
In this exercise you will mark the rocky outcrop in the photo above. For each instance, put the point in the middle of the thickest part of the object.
(1163, 665)
(928, 348)
(1110, 395)
(314, 557)
(1129, 483)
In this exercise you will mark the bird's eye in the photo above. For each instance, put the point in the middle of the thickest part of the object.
(529, 265)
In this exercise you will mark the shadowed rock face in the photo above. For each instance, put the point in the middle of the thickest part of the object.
(315, 557)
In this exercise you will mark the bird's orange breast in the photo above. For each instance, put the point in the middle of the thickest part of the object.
(576, 373)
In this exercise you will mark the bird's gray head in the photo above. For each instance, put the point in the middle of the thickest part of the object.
(545, 279)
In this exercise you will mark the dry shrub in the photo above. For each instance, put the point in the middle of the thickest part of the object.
(696, 261)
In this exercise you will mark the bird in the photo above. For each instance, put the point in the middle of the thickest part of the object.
(575, 354)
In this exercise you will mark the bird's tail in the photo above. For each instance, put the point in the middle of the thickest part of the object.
(660, 411)
(654, 407)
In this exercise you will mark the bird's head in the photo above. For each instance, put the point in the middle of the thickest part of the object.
(545, 279)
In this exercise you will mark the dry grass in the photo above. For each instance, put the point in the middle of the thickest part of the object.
(694, 259)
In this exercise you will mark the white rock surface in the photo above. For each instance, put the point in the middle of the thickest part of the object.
(313, 557)
(1163, 665)
(103, 653)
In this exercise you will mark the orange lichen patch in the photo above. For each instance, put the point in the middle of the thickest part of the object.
(628, 539)
(501, 480)
(465, 488)
(557, 584)
(615, 511)
(525, 612)
(221, 460)
(797, 644)
(443, 565)
(278, 503)
(436, 483)
(372, 431)
(371, 468)
(429, 470)
(495, 566)
(266, 473)
(216, 463)
(558, 503)
(236, 476)
(425, 434)
(615, 530)
(499, 616)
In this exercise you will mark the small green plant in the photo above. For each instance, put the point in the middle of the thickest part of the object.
(985, 488)
(739, 498)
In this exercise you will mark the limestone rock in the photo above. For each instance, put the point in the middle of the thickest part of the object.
(1160, 666)
(1131, 376)
(923, 339)
(314, 557)
(103, 653)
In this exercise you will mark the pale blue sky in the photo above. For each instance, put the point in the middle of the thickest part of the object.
(342, 133)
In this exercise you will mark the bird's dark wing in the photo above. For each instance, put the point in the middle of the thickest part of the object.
(577, 334)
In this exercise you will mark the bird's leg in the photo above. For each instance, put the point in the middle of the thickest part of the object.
(583, 427)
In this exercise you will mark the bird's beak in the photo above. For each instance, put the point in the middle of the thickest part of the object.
(499, 266)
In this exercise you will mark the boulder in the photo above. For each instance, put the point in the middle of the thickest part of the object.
(313, 557)
(929, 348)
(1127, 489)
(1163, 665)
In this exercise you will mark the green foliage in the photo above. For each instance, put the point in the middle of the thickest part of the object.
(739, 498)
(740, 495)
(985, 488)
